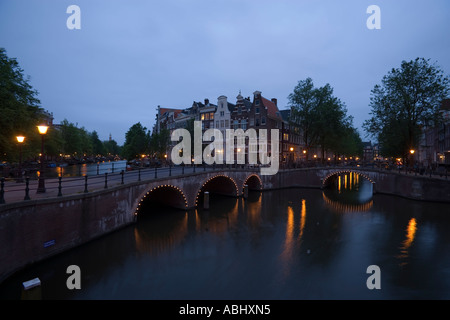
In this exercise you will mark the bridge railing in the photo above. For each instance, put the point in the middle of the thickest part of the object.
(16, 190)
(24, 189)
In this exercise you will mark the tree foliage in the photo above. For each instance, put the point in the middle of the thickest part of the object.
(321, 118)
(19, 109)
(137, 140)
(159, 143)
(408, 98)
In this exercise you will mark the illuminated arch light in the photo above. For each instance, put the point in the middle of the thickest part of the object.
(347, 171)
(219, 175)
(253, 175)
(160, 186)
(345, 208)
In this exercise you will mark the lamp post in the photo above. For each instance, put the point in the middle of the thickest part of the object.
(291, 156)
(412, 157)
(20, 140)
(41, 185)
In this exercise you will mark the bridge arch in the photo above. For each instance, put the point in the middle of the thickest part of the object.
(253, 181)
(165, 194)
(326, 181)
(219, 183)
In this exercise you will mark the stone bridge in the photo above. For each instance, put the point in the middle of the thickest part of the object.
(36, 229)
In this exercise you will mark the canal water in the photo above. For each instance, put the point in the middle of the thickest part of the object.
(89, 169)
(283, 244)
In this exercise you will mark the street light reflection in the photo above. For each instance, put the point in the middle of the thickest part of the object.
(406, 244)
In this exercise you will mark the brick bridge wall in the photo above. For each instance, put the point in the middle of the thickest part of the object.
(34, 230)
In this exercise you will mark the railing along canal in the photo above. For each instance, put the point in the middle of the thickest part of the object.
(13, 191)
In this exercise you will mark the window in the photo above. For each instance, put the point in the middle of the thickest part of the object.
(239, 110)
(211, 115)
(236, 124)
(263, 120)
(257, 110)
(257, 103)
(222, 113)
(202, 116)
(217, 124)
(221, 123)
(253, 147)
(206, 116)
(227, 124)
(252, 122)
(244, 124)
(256, 122)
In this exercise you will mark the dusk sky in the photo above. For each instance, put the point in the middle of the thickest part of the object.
(131, 56)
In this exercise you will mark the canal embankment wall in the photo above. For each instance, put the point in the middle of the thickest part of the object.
(37, 229)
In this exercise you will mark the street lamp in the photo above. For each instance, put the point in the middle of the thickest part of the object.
(412, 157)
(41, 186)
(20, 140)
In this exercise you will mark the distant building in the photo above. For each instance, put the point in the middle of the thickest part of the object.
(262, 113)
(165, 119)
(222, 117)
(368, 154)
(443, 139)
(291, 143)
(434, 146)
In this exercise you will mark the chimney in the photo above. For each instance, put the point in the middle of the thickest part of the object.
(274, 100)
(206, 102)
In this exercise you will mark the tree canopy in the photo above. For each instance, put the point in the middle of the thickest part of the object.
(137, 141)
(408, 98)
(19, 108)
(322, 120)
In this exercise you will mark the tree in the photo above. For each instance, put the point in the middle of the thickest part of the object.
(320, 117)
(19, 108)
(350, 143)
(97, 145)
(408, 98)
(137, 141)
(111, 147)
(71, 138)
(159, 143)
(303, 102)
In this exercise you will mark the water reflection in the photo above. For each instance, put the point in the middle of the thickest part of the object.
(349, 194)
(291, 243)
(406, 244)
(156, 233)
(90, 169)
